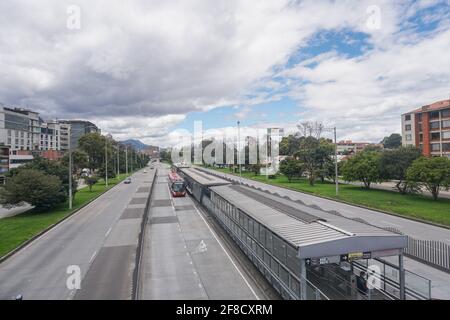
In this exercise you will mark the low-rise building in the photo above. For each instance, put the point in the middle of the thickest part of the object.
(348, 147)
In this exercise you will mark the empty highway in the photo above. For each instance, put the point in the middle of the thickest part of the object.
(101, 239)
(183, 258)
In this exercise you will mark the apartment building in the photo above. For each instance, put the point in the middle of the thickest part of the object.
(428, 128)
(78, 128)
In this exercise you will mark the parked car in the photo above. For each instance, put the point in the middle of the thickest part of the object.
(127, 181)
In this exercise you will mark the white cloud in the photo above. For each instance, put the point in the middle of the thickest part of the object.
(146, 64)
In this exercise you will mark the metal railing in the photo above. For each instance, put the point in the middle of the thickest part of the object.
(416, 286)
(435, 253)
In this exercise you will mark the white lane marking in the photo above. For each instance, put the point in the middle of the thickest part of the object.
(107, 232)
(229, 257)
(68, 219)
(93, 256)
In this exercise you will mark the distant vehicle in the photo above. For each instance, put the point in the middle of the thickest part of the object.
(127, 181)
(145, 171)
(176, 185)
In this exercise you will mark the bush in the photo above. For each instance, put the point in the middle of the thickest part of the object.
(34, 187)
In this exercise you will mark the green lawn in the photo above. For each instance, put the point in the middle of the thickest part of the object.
(417, 206)
(16, 230)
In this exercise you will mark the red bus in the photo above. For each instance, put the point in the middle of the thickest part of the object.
(176, 185)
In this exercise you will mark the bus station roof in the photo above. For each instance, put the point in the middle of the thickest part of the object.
(314, 232)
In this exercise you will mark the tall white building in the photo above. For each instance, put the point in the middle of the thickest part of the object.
(24, 130)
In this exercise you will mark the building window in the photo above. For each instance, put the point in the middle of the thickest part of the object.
(446, 135)
(446, 147)
(408, 127)
(446, 124)
(435, 136)
(408, 137)
(408, 117)
(434, 125)
(435, 147)
(446, 113)
(434, 114)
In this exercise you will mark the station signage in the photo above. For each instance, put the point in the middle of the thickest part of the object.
(355, 256)
(322, 260)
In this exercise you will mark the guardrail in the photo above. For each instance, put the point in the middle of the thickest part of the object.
(435, 253)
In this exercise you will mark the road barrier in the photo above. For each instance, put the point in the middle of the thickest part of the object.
(435, 253)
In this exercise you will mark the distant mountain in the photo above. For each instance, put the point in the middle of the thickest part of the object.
(139, 145)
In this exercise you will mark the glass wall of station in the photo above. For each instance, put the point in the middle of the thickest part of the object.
(274, 257)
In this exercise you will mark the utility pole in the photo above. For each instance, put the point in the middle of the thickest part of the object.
(239, 147)
(118, 160)
(336, 163)
(126, 159)
(70, 169)
(106, 161)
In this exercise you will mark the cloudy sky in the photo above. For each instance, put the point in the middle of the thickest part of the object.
(146, 69)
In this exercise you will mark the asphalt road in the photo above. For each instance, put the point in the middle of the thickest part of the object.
(101, 239)
(183, 258)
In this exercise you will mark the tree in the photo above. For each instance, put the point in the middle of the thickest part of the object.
(433, 174)
(394, 164)
(80, 160)
(313, 155)
(34, 187)
(90, 181)
(111, 172)
(291, 168)
(364, 166)
(290, 145)
(393, 141)
(94, 146)
(52, 168)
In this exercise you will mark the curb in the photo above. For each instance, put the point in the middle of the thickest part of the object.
(137, 270)
(435, 224)
(41, 233)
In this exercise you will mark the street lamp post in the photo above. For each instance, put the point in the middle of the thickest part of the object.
(126, 159)
(239, 147)
(106, 162)
(335, 163)
(118, 160)
(336, 175)
(70, 169)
